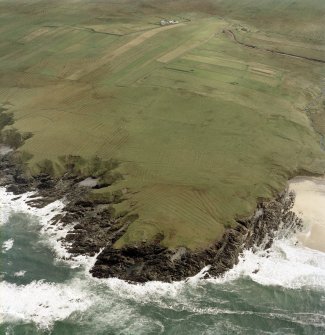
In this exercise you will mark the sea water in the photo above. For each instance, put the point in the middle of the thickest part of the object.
(42, 291)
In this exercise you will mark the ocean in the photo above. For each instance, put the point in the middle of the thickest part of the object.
(44, 291)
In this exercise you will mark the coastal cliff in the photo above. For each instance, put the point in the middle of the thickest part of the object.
(96, 227)
(171, 145)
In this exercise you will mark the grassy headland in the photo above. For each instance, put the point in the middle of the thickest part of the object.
(202, 126)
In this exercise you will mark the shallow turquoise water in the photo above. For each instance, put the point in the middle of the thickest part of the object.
(41, 295)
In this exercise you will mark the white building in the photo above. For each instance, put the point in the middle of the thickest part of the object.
(165, 22)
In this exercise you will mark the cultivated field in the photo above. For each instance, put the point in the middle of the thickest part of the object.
(202, 125)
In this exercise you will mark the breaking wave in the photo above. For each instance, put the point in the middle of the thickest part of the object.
(7, 245)
(42, 303)
(95, 303)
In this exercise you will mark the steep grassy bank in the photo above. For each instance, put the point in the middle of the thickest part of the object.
(202, 126)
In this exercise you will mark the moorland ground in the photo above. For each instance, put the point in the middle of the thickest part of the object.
(202, 126)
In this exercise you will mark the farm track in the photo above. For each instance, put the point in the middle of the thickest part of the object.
(112, 55)
(199, 124)
(230, 33)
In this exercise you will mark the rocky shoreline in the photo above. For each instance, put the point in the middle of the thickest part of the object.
(97, 227)
(153, 262)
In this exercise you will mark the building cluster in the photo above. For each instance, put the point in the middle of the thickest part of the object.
(165, 22)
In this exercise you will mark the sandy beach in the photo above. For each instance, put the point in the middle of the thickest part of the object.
(310, 206)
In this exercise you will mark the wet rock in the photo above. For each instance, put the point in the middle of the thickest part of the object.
(97, 226)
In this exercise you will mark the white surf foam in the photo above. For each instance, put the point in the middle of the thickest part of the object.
(42, 303)
(7, 245)
(152, 290)
(19, 273)
(10, 203)
(54, 234)
(293, 262)
(287, 264)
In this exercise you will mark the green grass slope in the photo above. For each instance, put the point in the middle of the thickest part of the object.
(202, 126)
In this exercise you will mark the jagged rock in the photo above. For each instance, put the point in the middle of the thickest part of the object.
(97, 227)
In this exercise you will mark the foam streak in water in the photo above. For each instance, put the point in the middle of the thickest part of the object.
(42, 303)
(7, 245)
(287, 264)
(54, 234)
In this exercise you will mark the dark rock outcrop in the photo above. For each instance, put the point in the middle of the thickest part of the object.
(154, 262)
(96, 227)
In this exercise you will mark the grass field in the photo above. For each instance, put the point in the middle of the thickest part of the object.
(202, 126)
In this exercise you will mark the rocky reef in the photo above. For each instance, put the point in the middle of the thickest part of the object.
(96, 226)
(153, 262)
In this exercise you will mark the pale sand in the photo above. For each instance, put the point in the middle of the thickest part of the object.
(89, 182)
(310, 206)
(4, 149)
